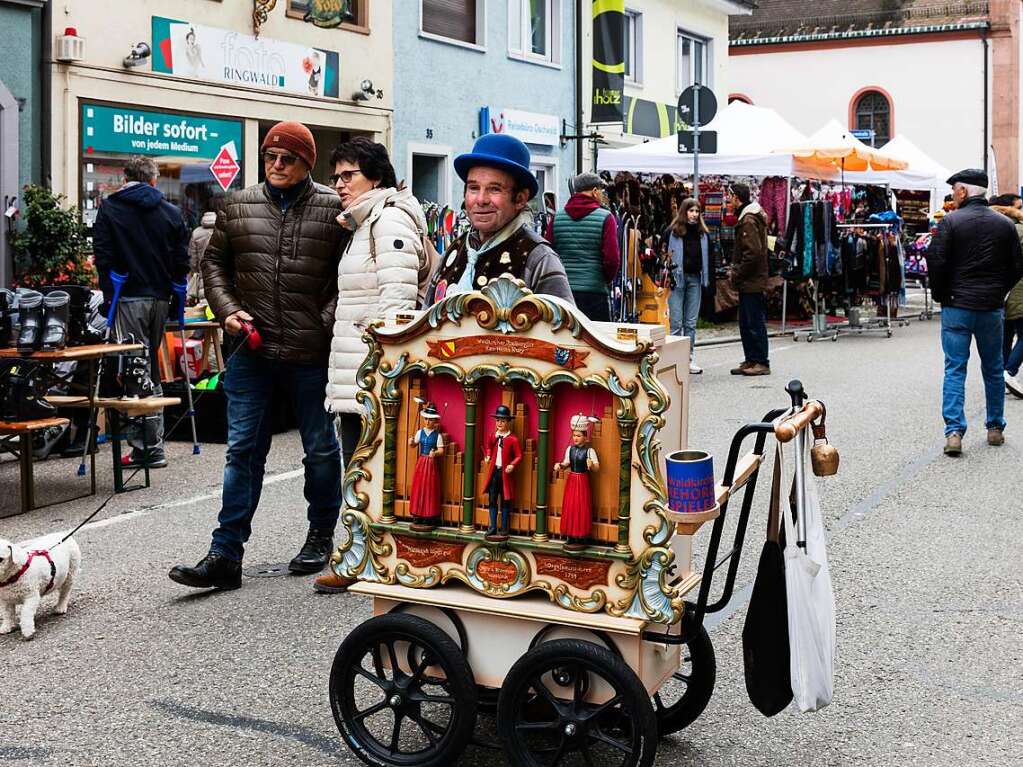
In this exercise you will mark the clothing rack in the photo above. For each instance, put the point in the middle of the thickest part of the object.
(854, 325)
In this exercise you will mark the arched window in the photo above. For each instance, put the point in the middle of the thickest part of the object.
(733, 97)
(873, 111)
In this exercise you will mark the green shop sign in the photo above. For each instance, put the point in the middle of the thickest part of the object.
(134, 131)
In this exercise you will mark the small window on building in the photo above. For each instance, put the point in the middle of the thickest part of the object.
(874, 112)
(457, 20)
(633, 47)
(534, 30)
(352, 12)
(693, 61)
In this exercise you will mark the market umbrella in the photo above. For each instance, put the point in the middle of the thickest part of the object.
(834, 147)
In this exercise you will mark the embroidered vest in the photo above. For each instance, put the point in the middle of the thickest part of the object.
(510, 256)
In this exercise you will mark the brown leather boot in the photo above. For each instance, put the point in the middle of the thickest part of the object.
(995, 437)
(742, 367)
(954, 444)
(332, 583)
(757, 369)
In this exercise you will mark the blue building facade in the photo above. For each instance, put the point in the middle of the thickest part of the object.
(506, 66)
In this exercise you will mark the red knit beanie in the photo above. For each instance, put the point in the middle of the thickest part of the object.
(294, 137)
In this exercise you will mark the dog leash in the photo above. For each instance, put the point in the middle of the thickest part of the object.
(248, 331)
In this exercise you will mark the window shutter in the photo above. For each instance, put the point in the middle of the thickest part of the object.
(450, 18)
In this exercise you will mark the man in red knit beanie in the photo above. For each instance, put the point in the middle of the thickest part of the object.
(272, 262)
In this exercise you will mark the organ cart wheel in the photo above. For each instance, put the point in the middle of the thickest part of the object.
(572, 702)
(402, 693)
(682, 699)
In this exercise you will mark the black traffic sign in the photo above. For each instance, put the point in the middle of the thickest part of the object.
(708, 142)
(687, 104)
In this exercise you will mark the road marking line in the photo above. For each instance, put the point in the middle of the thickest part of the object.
(272, 480)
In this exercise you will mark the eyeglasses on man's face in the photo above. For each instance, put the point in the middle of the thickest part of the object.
(270, 159)
(345, 177)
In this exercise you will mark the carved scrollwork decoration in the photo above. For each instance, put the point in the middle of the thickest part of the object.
(359, 556)
(652, 599)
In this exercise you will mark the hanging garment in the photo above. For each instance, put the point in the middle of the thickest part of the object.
(774, 201)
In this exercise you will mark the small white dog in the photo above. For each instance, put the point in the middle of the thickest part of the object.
(28, 572)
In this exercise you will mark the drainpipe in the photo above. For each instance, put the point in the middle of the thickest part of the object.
(579, 85)
(46, 77)
(983, 37)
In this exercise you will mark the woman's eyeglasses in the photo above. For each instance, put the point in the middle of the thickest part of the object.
(345, 175)
(272, 158)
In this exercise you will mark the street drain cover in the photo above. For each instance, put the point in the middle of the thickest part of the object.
(266, 571)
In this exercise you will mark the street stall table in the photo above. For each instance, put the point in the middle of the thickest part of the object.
(91, 355)
(581, 639)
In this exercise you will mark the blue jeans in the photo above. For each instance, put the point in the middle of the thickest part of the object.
(1013, 353)
(958, 328)
(249, 384)
(753, 327)
(684, 308)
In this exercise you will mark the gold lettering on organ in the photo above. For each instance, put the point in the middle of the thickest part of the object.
(533, 348)
(581, 573)
(420, 553)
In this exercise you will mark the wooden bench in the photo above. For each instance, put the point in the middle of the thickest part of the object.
(23, 431)
(116, 408)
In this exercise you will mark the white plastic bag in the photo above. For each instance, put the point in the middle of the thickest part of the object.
(811, 605)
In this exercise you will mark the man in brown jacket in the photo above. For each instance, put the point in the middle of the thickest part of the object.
(749, 277)
(272, 262)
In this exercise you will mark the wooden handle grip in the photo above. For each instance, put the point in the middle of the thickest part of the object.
(787, 429)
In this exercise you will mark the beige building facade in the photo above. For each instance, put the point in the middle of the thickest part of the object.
(195, 85)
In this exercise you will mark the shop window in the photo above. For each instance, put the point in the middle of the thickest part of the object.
(456, 21)
(183, 145)
(546, 172)
(534, 30)
(873, 111)
(354, 13)
(693, 61)
(633, 47)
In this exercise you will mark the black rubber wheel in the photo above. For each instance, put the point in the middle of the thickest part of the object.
(545, 720)
(402, 693)
(682, 699)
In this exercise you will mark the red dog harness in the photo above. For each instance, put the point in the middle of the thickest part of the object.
(28, 563)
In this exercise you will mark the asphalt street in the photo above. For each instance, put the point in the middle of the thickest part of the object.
(924, 554)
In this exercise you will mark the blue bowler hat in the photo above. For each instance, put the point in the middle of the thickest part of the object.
(497, 150)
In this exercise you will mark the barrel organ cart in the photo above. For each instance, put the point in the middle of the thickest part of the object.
(585, 653)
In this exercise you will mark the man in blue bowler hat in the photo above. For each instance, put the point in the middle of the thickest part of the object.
(498, 188)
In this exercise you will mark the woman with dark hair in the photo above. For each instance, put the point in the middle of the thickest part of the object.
(381, 271)
(689, 244)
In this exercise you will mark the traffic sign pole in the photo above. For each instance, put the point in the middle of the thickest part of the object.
(696, 143)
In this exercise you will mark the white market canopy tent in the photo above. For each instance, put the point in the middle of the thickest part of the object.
(748, 140)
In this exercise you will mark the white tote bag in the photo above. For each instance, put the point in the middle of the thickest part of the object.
(811, 605)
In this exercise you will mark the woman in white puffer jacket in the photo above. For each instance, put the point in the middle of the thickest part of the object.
(380, 270)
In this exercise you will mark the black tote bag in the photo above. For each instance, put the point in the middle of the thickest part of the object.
(765, 635)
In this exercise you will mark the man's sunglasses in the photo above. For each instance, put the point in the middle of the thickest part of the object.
(345, 175)
(272, 158)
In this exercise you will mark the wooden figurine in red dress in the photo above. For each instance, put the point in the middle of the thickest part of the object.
(503, 455)
(577, 505)
(424, 504)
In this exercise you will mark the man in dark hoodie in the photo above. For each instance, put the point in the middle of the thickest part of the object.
(138, 233)
(585, 235)
(749, 277)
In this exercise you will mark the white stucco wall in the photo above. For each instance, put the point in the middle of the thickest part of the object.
(662, 20)
(937, 90)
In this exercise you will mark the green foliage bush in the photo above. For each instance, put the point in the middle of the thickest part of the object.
(49, 247)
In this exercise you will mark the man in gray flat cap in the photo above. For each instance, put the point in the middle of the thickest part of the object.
(585, 235)
(973, 262)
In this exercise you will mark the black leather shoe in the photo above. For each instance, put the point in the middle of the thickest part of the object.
(214, 571)
(314, 554)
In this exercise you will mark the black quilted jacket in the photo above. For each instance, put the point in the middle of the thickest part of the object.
(280, 267)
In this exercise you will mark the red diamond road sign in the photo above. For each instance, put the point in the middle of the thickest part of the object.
(224, 168)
